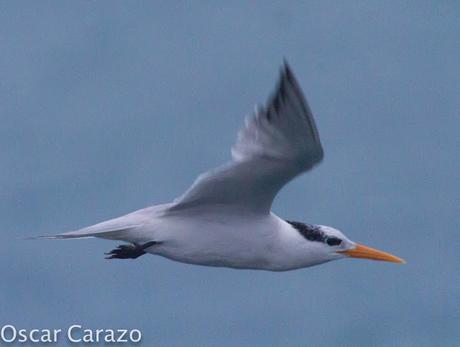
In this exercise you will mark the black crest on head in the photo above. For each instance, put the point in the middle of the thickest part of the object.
(309, 231)
(313, 233)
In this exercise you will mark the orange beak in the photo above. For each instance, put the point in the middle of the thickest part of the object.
(365, 252)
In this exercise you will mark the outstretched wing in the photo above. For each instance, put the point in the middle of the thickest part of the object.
(279, 142)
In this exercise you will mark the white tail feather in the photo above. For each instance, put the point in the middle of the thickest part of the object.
(110, 233)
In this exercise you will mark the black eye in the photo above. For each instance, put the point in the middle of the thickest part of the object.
(333, 241)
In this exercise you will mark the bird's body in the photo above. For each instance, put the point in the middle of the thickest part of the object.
(217, 238)
(225, 218)
(220, 239)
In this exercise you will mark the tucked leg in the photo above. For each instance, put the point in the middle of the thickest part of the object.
(132, 251)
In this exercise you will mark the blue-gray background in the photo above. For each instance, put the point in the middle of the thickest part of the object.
(106, 107)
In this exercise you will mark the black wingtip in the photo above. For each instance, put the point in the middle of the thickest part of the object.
(280, 91)
(286, 69)
(285, 63)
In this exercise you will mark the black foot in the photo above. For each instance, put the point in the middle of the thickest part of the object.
(133, 251)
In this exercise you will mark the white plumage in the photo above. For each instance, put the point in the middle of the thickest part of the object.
(224, 218)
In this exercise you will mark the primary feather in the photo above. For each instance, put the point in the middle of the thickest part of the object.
(279, 142)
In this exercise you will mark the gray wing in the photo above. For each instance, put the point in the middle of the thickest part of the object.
(278, 142)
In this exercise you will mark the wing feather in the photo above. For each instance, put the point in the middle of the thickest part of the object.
(278, 142)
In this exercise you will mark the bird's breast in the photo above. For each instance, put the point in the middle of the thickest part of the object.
(244, 243)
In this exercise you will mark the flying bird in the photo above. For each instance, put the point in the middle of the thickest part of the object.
(225, 218)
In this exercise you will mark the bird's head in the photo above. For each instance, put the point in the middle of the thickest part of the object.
(327, 243)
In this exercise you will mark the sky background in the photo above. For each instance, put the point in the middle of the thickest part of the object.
(109, 106)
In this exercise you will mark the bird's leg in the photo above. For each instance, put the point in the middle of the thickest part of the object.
(132, 251)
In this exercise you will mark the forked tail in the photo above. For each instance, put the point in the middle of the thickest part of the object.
(103, 230)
